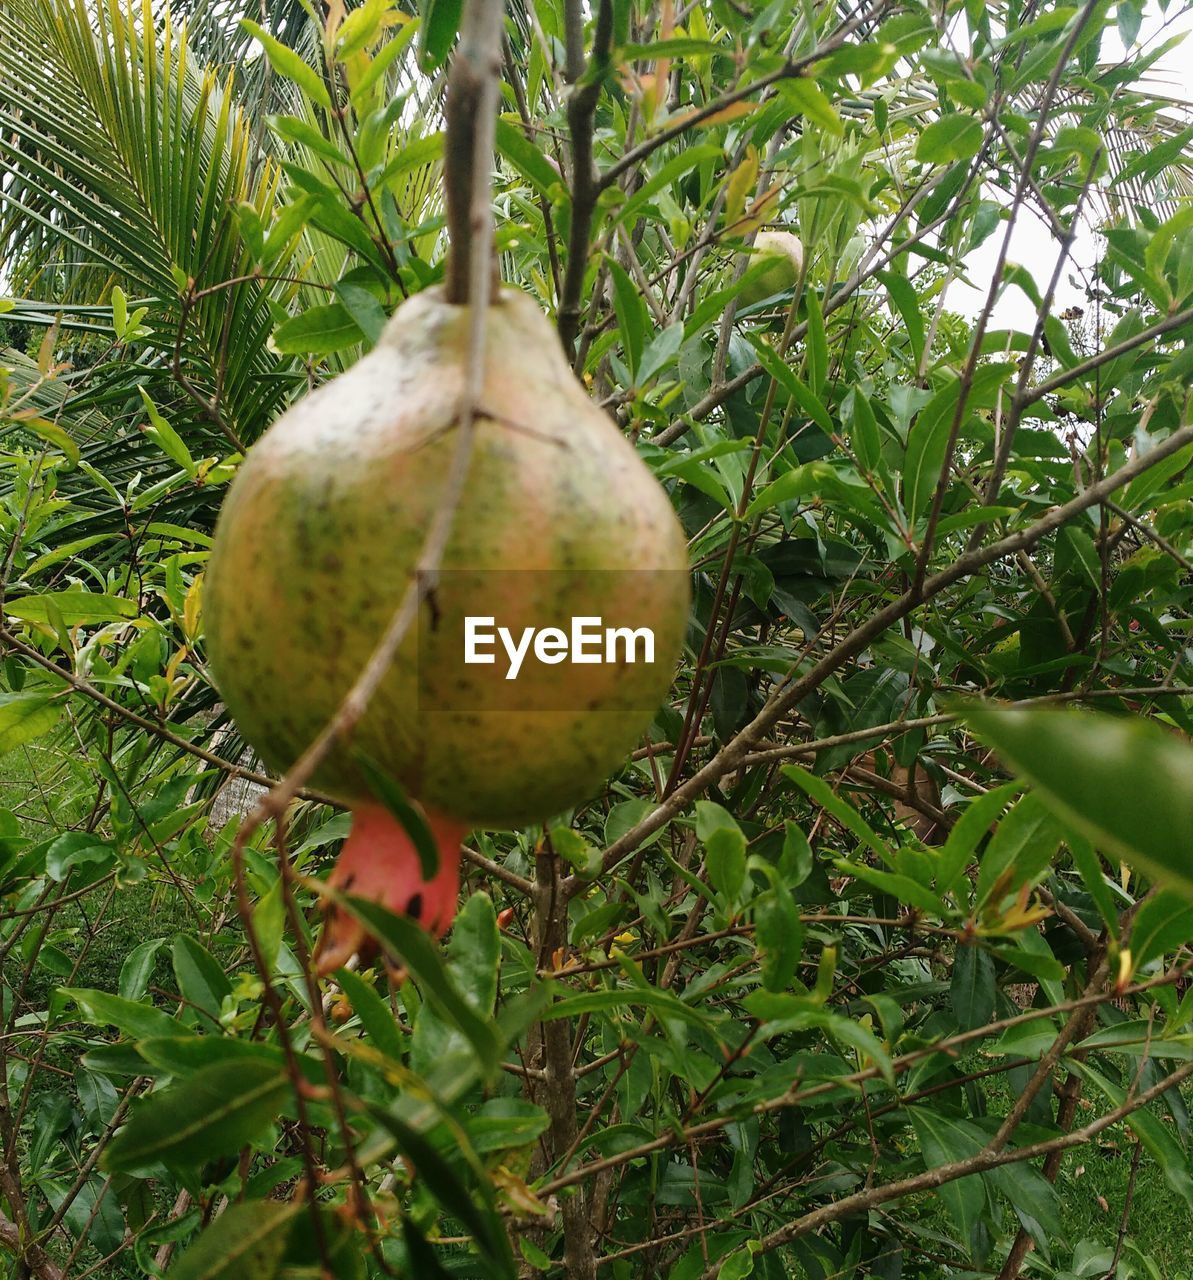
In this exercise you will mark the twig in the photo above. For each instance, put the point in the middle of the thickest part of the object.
(471, 112)
(581, 112)
(863, 1201)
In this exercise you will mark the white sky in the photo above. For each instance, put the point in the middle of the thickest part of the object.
(1031, 242)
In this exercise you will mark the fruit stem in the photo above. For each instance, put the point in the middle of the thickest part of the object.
(471, 126)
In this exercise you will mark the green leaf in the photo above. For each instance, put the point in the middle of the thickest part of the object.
(577, 851)
(375, 1015)
(286, 62)
(1125, 783)
(76, 607)
(815, 347)
(53, 434)
(529, 160)
(366, 311)
(119, 311)
(661, 351)
(25, 716)
(407, 944)
(903, 888)
(475, 1209)
(474, 958)
(1093, 877)
(165, 437)
(137, 969)
(907, 303)
(502, 1124)
(973, 987)
(864, 436)
(440, 22)
(810, 101)
(383, 59)
(968, 831)
(319, 330)
(676, 47)
(1163, 923)
(944, 1140)
(779, 934)
(820, 791)
(781, 1013)
(74, 848)
(622, 1000)
(183, 1055)
(724, 849)
(666, 178)
(201, 981)
(213, 1112)
(246, 1242)
(952, 137)
(631, 315)
(804, 397)
(1020, 851)
(1156, 1139)
(306, 135)
(927, 444)
(131, 1017)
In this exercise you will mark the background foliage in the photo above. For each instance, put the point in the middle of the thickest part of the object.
(844, 961)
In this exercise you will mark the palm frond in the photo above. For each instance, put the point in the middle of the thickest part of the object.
(122, 160)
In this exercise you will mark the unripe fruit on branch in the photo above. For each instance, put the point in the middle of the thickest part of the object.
(319, 537)
(784, 255)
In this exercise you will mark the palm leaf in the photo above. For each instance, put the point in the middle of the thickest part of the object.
(122, 161)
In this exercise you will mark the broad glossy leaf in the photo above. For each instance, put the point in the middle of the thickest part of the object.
(131, 1017)
(319, 330)
(201, 981)
(76, 608)
(473, 960)
(409, 945)
(287, 62)
(375, 1015)
(952, 137)
(973, 987)
(212, 1113)
(246, 1242)
(1124, 783)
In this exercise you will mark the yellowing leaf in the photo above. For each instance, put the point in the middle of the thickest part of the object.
(734, 111)
(741, 181)
(53, 434)
(758, 212)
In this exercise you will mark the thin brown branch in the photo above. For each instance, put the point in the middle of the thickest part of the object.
(581, 113)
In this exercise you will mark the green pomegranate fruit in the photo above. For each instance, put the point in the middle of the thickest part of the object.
(559, 519)
(784, 257)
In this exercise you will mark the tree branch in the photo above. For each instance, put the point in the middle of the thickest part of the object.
(735, 751)
(863, 1201)
(581, 113)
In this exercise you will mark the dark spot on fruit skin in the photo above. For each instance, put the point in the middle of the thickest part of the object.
(414, 908)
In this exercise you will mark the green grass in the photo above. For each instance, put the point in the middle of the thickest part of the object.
(1092, 1190)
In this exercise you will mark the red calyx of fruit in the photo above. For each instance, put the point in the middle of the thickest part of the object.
(379, 862)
